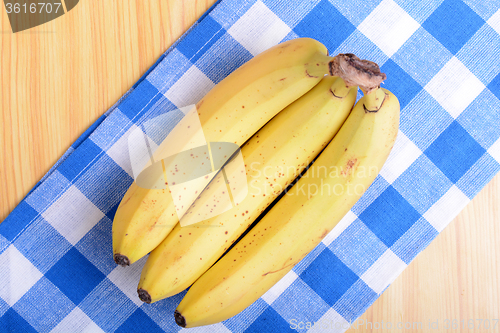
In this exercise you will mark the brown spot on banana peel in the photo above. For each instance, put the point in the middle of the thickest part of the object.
(351, 163)
(323, 235)
(282, 268)
(125, 202)
(356, 72)
(349, 166)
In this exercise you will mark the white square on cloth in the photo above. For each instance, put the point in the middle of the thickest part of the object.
(18, 275)
(266, 30)
(383, 271)
(494, 21)
(388, 26)
(444, 210)
(73, 215)
(77, 321)
(190, 88)
(330, 322)
(494, 150)
(402, 155)
(119, 152)
(454, 87)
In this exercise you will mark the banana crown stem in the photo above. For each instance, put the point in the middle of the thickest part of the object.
(356, 72)
(339, 88)
(373, 100)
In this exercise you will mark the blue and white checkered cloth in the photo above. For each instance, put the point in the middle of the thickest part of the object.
(441, 58)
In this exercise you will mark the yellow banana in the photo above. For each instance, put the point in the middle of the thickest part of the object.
(274, 157)
(300, 219)
(232, 111)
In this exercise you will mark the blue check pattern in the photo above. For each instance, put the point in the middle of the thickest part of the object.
(441, 58)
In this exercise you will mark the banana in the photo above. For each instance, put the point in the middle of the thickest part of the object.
(301, 218)
(274, 157)
(232, 111)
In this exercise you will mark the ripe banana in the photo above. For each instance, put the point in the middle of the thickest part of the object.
(301, 219)
(232, 111)
(274, 157)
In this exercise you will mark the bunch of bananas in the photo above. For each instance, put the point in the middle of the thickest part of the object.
(304, 141)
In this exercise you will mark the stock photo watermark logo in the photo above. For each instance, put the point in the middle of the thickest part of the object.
(322, 175)
(170, 153)
(24, 14)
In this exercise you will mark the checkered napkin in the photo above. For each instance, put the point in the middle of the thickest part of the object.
(441, 58)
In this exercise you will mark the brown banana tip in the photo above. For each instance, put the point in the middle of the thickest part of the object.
(121, 260)
(144, 295)
(179, 319)
(357, 72)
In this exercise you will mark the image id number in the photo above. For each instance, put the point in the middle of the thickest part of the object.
(471, 324)
(33, 8)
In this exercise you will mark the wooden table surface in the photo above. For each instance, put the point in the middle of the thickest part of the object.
(58, 78)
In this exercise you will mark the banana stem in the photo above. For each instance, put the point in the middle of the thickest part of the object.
(339, 88)
(353, 70)
(319, 65)
(373, 99)
(356, 72)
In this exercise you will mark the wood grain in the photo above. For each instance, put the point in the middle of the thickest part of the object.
(456, 277)
(58, 78)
